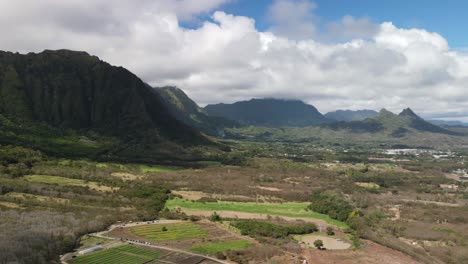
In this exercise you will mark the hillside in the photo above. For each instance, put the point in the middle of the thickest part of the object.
(269, 113)
(78, 101)
(350, 115)
(187, 111)
(386, 129)
(393, 125)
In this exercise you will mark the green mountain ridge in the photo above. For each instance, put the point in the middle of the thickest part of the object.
(269, 113)
(393, 125)
(187, 111)
(71, 96)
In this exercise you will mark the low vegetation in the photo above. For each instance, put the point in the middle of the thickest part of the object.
(265, 229)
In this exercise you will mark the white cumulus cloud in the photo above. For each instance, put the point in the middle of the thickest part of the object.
(227, 58)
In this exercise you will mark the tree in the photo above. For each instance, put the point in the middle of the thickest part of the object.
(330, 231)
(318, 244)
(164, 229)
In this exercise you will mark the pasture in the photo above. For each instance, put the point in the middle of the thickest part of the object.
(296, 210)
(221, 247)
(126, 254)
(163, 232)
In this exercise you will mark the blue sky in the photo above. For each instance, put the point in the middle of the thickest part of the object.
(447, 18)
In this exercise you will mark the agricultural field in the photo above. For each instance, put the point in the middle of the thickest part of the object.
(293, 210)
(126, 254)
(163, 232)
(214, 248)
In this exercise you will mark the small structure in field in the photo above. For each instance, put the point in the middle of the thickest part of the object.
(90, 250)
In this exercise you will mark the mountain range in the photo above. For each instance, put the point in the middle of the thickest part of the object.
(71, 103)
(269, 113)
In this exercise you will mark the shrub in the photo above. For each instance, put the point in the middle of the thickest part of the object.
(318, 244)
(215, 217)
(330, 231)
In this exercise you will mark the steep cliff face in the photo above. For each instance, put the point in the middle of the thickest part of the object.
(55, 92)
(74, 90)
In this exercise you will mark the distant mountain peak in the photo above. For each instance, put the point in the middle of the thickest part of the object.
(408, 112)
(385, 112)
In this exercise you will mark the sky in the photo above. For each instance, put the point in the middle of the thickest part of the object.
(334, 54)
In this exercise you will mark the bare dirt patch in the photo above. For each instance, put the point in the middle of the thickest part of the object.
(371, 253)
(329, 243)
(242, 215)
(271, 189)
(196, 195)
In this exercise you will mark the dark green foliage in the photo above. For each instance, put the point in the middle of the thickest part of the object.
(215, 217)
(152, 198)
(264, 229)
(331, 204)
(269, 113)
(17, 161)
(330, 231)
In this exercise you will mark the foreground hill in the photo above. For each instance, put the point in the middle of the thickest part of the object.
(187, 111)
(350, 115)
(76, 99)
(269, 113)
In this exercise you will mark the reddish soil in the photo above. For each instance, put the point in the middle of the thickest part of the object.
(371, 253)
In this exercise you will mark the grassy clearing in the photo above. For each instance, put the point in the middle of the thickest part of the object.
(153, 168)
(67, 181)
(278, 209)
(124, 255)
(173, 231)
(221, 247)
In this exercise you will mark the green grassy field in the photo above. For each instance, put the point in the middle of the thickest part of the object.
(66, 181)
(123, 255)
(222, 246)
(279, 209)
(157, 168)
(173, 232)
